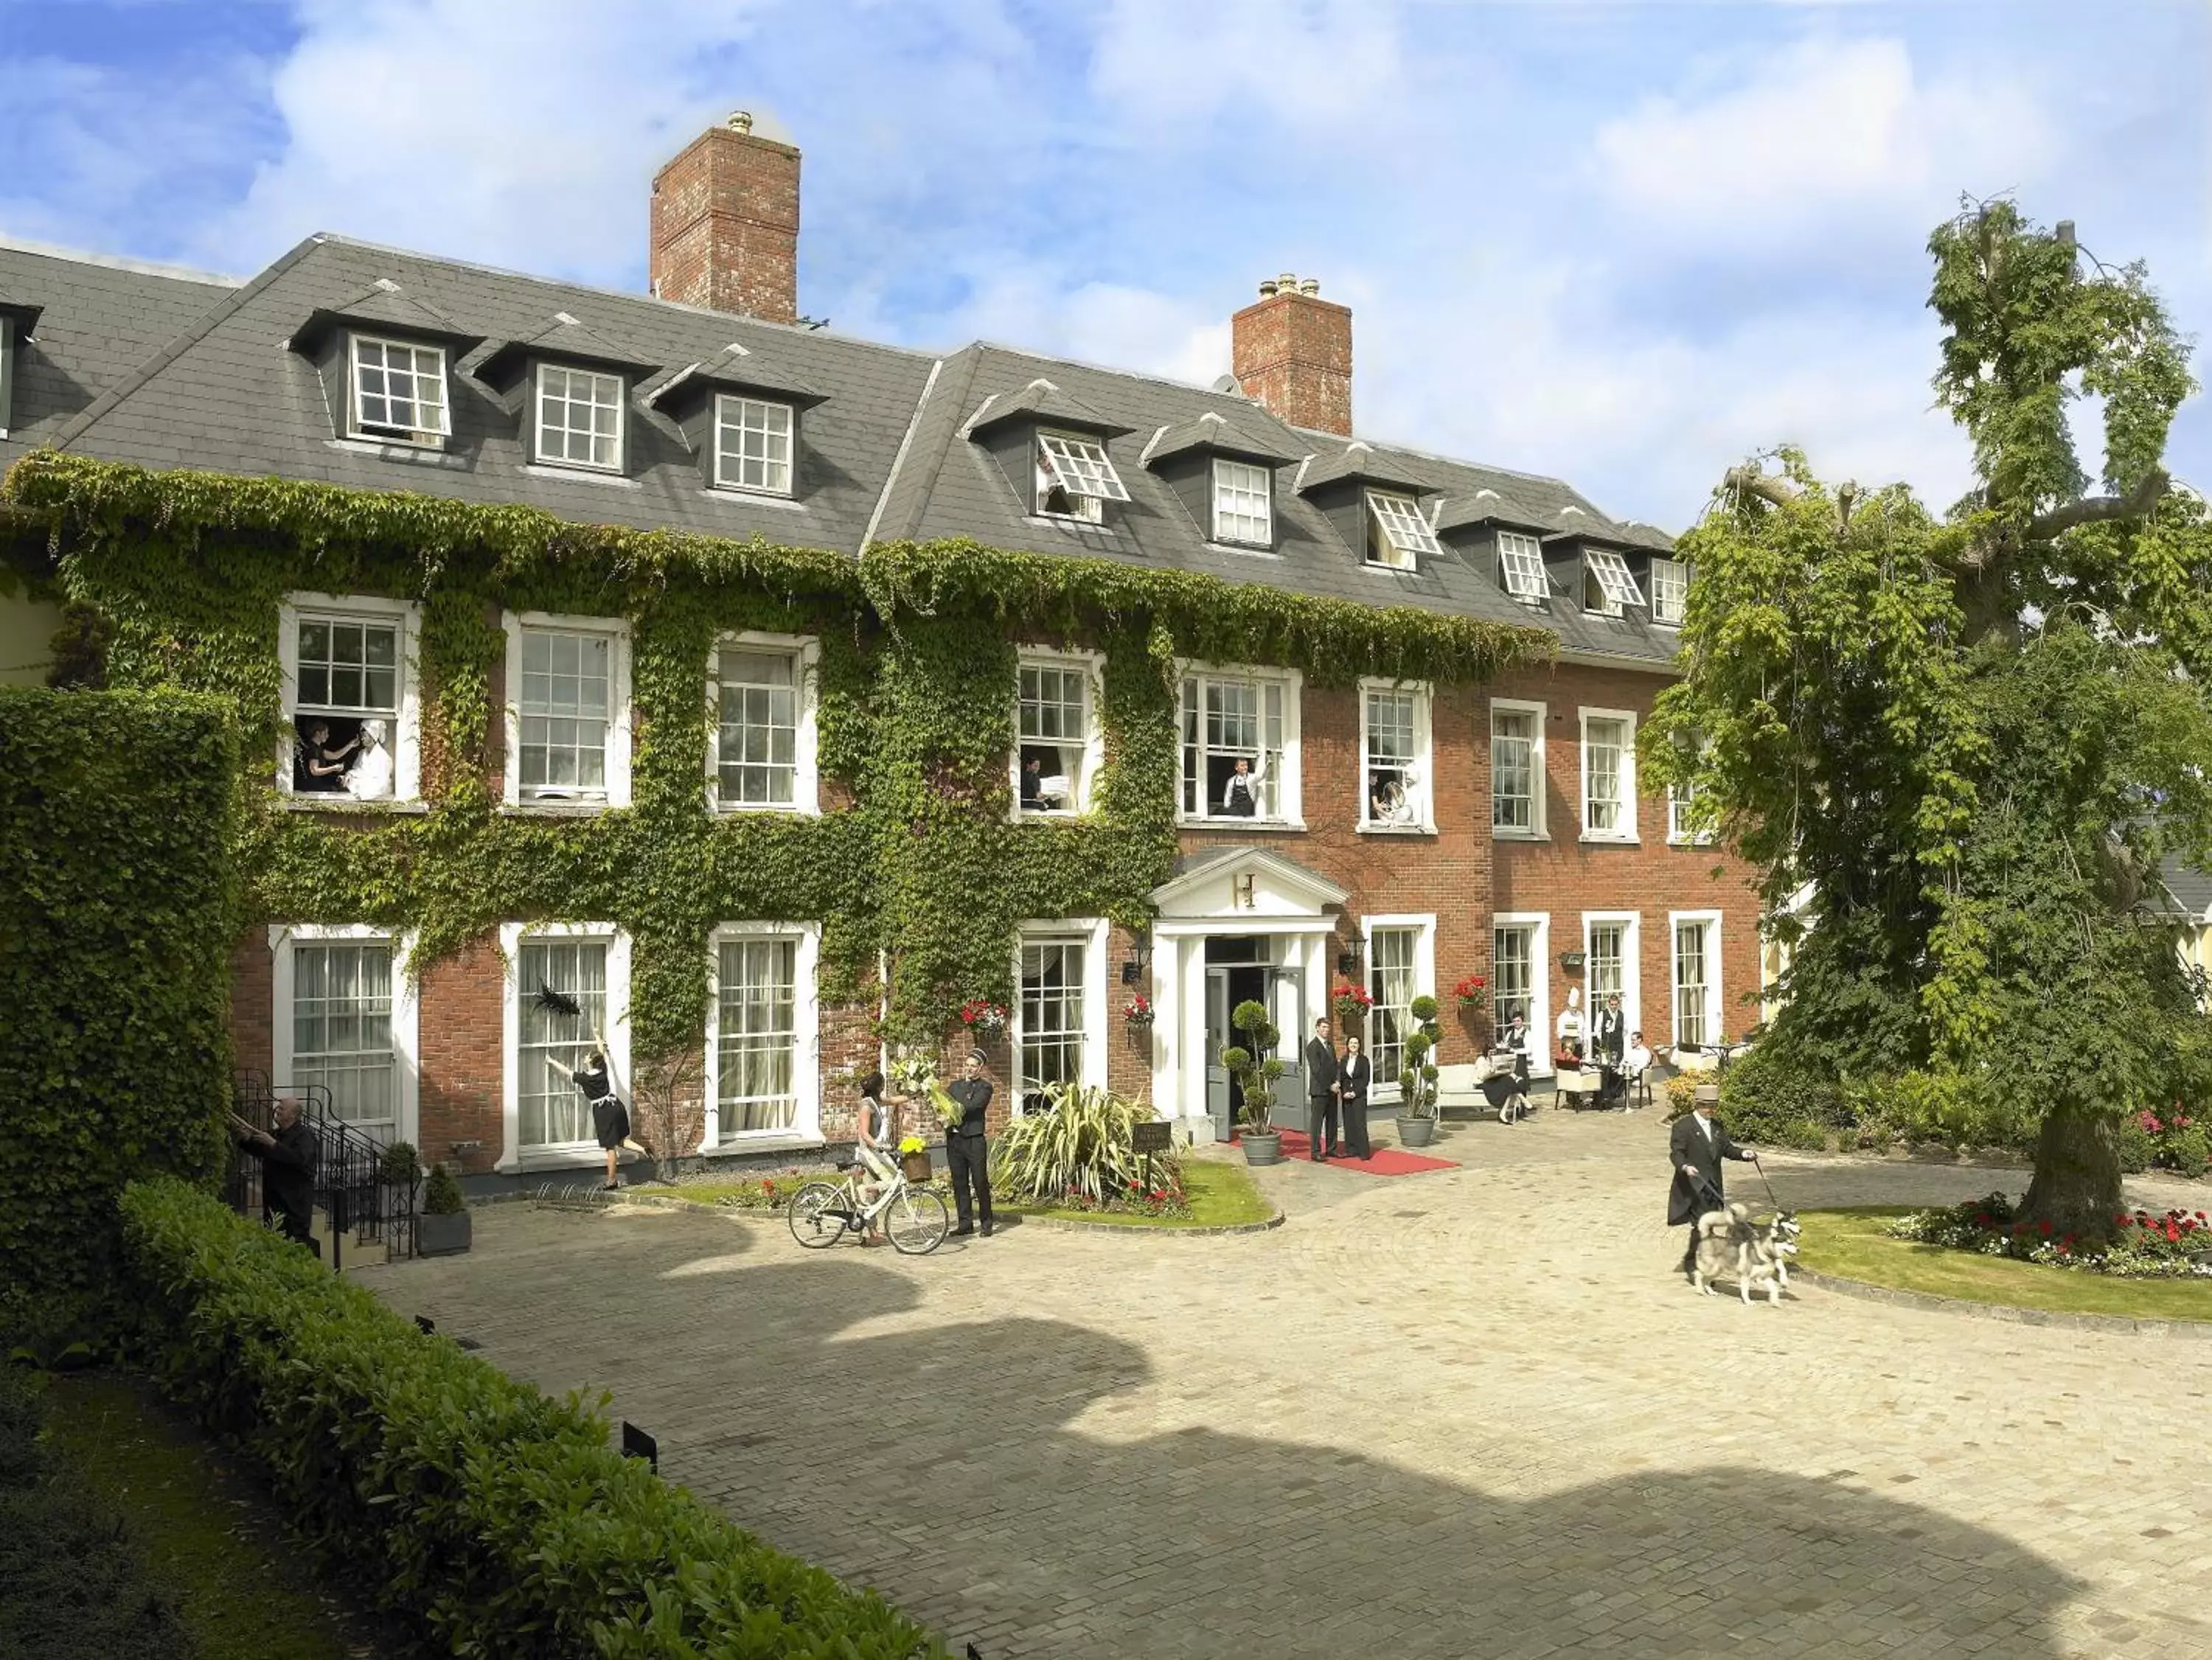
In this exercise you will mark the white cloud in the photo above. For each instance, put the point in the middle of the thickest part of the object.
(1157, 63)
(1821, 129)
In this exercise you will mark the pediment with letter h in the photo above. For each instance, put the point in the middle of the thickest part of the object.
(1229, 882)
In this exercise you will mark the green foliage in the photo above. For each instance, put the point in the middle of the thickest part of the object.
(498, 1520)
(441, 1194)
(1255, 1066)
(914, 718)
(2139, 1246)
(118, 910)
(1079, 1149)
(1769, 1095)
(71, 1586)
(1958, 751)
(80, 650)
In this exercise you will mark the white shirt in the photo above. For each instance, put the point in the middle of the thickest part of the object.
(1703, 1123)
(1637, 1060)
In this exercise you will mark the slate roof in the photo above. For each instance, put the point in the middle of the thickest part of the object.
(2190, 889)
(166, 372)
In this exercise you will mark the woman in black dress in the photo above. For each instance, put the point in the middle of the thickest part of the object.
(609, 1118)
(1352, 1078)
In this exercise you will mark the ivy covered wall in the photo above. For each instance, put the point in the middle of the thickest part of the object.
(915, 857)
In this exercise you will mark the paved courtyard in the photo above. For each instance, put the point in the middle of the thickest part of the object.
(1464, 1414)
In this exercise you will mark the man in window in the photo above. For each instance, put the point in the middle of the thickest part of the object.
(1240, 795)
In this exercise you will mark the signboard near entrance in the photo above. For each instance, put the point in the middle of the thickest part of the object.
(1145, 1139)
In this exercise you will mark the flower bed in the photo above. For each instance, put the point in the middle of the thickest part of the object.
(2176, 1244)
(1163, 1198)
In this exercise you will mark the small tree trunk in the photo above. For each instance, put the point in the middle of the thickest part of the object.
(2076, 1187)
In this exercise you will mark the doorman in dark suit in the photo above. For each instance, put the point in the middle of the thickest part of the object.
(1696, 1147)
(967, 1152)
(289, 1151)
(1608, 1040)
(1321, 1092)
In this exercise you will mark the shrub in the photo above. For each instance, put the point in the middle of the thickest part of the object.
(1255, 1076)
(71, 1586)
(118, 910)
(441, 1194)
(497, 1519)
(2139, 1246)
(1766, 1097)
(1080, 1151)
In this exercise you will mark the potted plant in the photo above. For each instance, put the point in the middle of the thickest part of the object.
(1471, 993)
(1139, 1013)
(913, 1158)
(442, 1229)
(1348, 1004)
(1257, 1070)
(1417, 1078)
(984, 1019)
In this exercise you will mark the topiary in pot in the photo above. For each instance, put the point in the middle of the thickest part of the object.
(443, 1229)
(1257, 1071)
(1417, 1078)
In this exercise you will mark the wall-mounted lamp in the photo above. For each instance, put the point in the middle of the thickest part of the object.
(1140, 958)
(1347, 961)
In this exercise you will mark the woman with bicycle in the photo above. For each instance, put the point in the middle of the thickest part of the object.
(875, 1135)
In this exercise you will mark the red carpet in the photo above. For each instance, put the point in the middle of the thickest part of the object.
(1387, 1161)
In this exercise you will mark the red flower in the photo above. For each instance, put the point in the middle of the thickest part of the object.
(1981, 1222)
(2126, 1221)
(2044, 1228)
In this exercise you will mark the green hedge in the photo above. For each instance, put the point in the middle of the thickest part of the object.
(118, 910)
(498, 1518)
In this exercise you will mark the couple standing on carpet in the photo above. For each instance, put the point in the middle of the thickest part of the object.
(1336, 1094)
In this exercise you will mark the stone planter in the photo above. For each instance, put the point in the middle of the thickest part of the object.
(1416, 1132)
(442, 1236)
(1261, 1146)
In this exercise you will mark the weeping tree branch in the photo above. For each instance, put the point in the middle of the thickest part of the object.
(2137, 503)
(1748, 480)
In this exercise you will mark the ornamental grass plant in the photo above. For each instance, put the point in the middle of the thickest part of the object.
(1077, 1155)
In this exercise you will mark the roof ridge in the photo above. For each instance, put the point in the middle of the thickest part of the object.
(935, 464)
(898, 457)
(123, 390)
(116, 261)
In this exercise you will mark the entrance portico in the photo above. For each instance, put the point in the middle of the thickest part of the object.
(1267, 916)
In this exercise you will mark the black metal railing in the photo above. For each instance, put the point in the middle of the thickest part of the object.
(360, 1191)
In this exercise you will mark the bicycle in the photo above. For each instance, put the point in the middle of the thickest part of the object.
(912, 1218)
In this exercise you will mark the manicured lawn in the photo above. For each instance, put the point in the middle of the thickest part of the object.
(1850, 1244)
(207, 1534)
(1221, 1195)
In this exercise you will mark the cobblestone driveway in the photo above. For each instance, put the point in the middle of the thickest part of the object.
(1466, 1413)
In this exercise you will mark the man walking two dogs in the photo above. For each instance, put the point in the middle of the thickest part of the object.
(1695, 1146)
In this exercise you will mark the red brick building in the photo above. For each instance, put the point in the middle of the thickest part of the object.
(1402, 834)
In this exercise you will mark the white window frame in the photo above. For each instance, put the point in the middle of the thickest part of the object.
(1076, 463)
(407, 1014)
(1092, 666)
(379, 431)
(617, 631)
(1632, 978)
(1422, 796)
(1678, 579)
(1404, 529)
(806, 781)
(1424, 928)
(513, 1156)
(1616, 583)
(1224, 484)
(1092, 932)
(723, 402)
(538, 426)
(1535, 830)
(1542, 1039)
(1515, 577)
(1289, 799)
(1711, 921)
(1677, 835)
(805, 1129)
(407, 727)
(1627, 831)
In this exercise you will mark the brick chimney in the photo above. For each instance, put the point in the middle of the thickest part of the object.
(725, 224)
(1291, 353)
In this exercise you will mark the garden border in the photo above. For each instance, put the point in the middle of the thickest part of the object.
(1871, 1293)
(588, 1200)
(1077, 1225)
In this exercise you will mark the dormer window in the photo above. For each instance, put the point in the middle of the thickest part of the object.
(1608, 585)
(1396, 532)
(1670, 591)
(1243, 504)
(399, 391)
(1520, 566)
(752, 446)
(580, 418)
(1075, 478)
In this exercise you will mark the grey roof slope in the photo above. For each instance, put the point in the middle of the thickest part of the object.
(886, 453)
(101, 320)
(2190, 889)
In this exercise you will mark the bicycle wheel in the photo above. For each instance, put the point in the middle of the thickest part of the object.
(817, 1215)
(916, 1221)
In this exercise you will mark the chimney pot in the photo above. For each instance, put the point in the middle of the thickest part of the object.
(1291, 353)
(2066, 232)
(725, 224)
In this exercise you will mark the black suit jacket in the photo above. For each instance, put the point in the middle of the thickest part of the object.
(1609, 1035)
(1320, 1069)
(1686, 1144)
(288, 1169)
(1354, 1075)
(974, 1096)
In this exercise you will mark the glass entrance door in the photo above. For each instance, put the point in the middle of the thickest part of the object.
(1219, 1105)
(1286, 1004)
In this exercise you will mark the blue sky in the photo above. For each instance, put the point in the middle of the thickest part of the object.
(1623, 244)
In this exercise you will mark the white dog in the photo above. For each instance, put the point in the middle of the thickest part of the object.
(1757, 1253)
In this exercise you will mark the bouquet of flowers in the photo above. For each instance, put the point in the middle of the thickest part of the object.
(1137, 1011)
(947, 1109)
(983, 1018)
(1472, 993)
(912, 1074)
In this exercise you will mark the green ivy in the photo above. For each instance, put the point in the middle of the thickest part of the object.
(116, 927)
(918, 860)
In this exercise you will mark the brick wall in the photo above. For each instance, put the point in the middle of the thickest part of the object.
(1291, 353)
(253, 991)
(462, 1060)
(725, 226)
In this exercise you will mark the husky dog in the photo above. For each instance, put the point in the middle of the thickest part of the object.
(1756, 1253)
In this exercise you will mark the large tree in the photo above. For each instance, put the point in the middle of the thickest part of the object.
(1959, 745)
